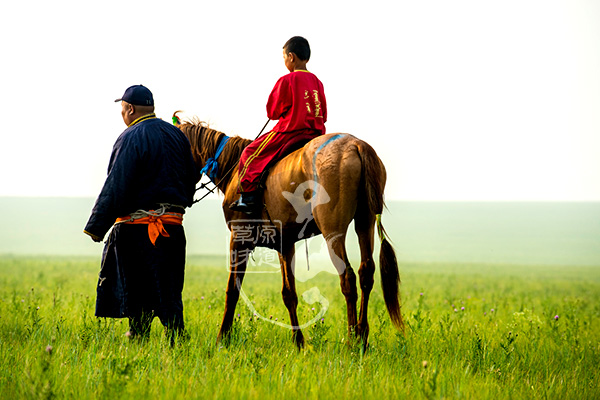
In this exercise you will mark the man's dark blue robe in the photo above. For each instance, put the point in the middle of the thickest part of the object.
(151, 164)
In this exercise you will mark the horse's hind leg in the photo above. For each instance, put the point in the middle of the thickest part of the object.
(336, 244)
(288, 292)
(364, 227)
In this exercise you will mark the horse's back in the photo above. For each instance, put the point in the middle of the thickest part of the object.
(322, 180)
(327, 159)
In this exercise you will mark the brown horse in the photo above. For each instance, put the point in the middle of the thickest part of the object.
(318, 189)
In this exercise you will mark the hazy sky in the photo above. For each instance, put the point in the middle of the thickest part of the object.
(463, 100)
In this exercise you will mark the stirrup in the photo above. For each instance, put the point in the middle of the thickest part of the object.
(249, 206)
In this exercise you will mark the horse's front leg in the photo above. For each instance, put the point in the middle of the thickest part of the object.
(288, 292)
(238, 259)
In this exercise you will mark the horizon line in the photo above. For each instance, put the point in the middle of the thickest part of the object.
(404, 200)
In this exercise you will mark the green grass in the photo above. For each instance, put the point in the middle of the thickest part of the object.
(518, 350)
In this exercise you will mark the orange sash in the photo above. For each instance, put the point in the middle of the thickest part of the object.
(155, 224)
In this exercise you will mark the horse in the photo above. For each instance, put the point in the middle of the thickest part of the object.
(317, 189)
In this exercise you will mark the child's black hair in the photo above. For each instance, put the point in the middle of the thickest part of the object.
(299, 46)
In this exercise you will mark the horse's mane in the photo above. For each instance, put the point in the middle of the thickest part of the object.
(205, 140)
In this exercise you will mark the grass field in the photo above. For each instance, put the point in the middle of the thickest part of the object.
(473, 331)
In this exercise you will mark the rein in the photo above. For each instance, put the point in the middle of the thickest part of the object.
(211, 167)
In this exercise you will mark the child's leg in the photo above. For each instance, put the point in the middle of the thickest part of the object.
(255, 158)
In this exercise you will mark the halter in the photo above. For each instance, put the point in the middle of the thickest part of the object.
(211, 168)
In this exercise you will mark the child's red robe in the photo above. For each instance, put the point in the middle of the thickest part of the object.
(298, 102)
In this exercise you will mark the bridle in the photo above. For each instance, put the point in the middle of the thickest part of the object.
(211, 167)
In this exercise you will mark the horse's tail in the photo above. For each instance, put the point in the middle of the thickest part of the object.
(374, 183)
(390, 277)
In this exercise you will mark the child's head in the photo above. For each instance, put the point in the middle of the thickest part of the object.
(299, 46)
(296, 53)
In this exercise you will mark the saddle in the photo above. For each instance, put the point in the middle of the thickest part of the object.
(286, 150)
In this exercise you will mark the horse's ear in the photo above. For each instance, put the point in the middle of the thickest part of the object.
(176, 119)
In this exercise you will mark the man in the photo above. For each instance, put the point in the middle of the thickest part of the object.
(151, 180)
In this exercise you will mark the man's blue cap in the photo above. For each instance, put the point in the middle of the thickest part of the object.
(138, 95)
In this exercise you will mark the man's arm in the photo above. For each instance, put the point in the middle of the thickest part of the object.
(115, 198)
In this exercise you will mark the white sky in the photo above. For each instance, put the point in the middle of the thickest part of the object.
(463, 100)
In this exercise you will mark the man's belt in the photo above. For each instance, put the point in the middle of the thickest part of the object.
(156, 219)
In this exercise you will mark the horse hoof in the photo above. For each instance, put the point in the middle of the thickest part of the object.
(299, 339)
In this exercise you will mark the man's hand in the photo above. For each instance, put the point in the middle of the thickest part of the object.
(94, 237)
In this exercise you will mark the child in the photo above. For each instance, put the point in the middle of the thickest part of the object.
(298, 102)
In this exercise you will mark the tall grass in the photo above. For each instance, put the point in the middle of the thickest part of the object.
(473, 331)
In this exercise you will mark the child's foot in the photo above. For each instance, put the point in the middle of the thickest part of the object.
(247, 203)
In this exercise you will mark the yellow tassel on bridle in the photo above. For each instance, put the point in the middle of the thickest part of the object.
(175, 118)
(380, 230)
